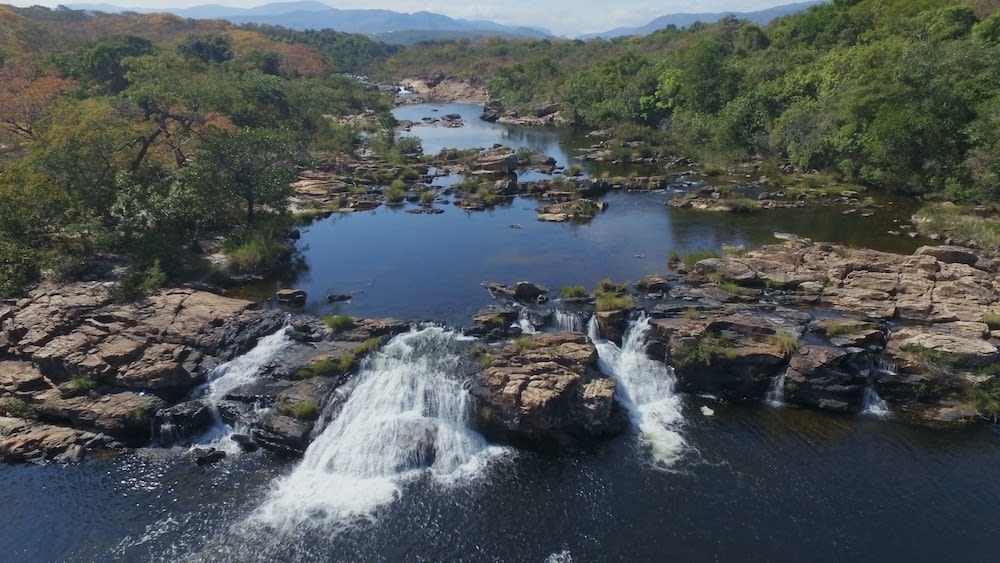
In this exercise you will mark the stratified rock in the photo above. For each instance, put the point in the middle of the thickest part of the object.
(126, 416)
(30, 441)
(283, 434)
(827, 378)
(546, 389)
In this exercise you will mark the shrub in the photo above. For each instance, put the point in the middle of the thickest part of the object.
(487, 196)
(18, 267)
(613, 302)
(427, 197)
(692, 258)
(396, 192)
(12, 406)
(138, 280)
(702, 351)
(258, 251)
(574, 291)
(787, 342)
(338, 322)
(81, 383)
(524, 343)
(305, 410)
(838, 328)
(744, 205)
(986, 398)
(992, 320)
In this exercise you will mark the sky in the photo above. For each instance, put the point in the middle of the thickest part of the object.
(563, 17)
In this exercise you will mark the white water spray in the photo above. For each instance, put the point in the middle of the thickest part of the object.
(646, 389)
(776, 393)
(406, 417)
(568, 321)
(230, 376)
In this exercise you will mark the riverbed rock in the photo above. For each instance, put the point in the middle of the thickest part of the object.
(82, 361)
(827, 377)
(547, 389)
(182, 422)
(31, 441)
(949, 254)
(207, 456)
(653, 283)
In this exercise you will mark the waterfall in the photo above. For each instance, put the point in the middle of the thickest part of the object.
(407, 417)
(776, 393)
(646, 389)
(231, 375)
(524, 322)
(871, 403)
(568, 321)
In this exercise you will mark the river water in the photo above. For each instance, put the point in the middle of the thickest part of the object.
(399, 474)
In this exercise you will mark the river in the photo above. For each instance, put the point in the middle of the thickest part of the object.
(735, 482)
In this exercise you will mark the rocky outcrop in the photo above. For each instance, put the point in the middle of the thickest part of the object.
(827, 377)
(547, 389)
(734, 356)
(87, 365)
(24, 440)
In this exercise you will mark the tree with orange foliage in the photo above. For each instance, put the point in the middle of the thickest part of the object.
(24, 94)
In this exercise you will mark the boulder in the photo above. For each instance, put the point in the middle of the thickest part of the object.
(295, 296)
(181, 422)
(547, 389)
(949, 254)
(207, 456)
(652, 283)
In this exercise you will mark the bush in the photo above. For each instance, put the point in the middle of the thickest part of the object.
(692, 258)
(787, 342)
(81, 383)
(702, 351)
(396, 192)
(138, 280)
(305, 410)
(992, 320)
(574, 291)
(525, 343)
(487, 196)
(338, 322)
(259, 251)
(744, 205)
(838, 328)
(18, 268)
(613, 302)
(427, 197)
(12, 406)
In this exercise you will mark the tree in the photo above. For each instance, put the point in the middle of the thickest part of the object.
(252, 166)
(24, 94)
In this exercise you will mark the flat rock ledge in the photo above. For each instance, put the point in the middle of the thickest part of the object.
(546, 389)
(830, 321)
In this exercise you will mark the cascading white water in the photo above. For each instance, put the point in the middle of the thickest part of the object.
(407, 416)
(568, 321)
(871, 403)
(527, 327)
(231, 375)
(776, 393)
(646, 389)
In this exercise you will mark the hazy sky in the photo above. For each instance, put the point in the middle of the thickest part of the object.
(564, 17)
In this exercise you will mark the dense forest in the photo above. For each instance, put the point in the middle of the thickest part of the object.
(138, 136)
(896, 94)
(131, 140)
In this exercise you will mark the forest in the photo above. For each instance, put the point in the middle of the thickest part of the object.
(141, 136)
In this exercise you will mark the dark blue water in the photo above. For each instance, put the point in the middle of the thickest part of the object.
(757, 484)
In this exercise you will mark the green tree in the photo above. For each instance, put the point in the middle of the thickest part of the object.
(251, 166)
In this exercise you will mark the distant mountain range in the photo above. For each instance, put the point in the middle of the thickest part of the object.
(396, 27)
(684, 20)
(315, 15)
